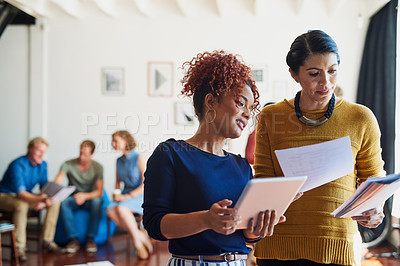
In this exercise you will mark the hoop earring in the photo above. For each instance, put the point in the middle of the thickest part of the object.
(212, 120)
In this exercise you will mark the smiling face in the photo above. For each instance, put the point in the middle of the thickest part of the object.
(317, 77)
(118, 143)
(233, 112)
(37, 152)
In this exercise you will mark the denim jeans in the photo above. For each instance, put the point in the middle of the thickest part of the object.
(68, 206)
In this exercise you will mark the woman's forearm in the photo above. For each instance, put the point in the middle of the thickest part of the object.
(181, 225)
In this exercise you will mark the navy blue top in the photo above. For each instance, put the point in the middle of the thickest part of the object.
(22, 175)
(128, 171)
(180, 179)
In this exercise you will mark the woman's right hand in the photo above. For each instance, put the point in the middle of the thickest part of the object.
(263, 226)
(221, 219)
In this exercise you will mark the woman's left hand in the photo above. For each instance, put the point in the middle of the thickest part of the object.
(371, 218)
(264, 225)
(120, 197)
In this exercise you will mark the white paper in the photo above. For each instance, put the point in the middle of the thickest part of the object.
(372, 198)
(96, 263)
(322, 162)
(100, 263)
(64, 193)
(57, 192)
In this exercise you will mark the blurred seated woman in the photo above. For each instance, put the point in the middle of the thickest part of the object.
(130, 171)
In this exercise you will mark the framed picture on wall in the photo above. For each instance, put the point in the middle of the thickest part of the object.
(260, 76)
(160, 79)
(112, 80)
(184, 113)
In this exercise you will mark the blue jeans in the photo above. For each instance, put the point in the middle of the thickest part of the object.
(68, 206)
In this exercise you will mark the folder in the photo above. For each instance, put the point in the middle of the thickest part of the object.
(271, 193)
(370, 194)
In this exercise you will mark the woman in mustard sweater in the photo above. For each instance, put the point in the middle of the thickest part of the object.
(311, 236)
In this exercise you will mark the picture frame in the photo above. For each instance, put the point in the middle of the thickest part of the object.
(160, 79)
(260, 76)
(112, 80)
(184, 113)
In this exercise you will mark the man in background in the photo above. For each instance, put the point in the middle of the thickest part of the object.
(87, 176)
(22, 175)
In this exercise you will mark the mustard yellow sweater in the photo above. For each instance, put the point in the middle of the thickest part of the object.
(310, 232)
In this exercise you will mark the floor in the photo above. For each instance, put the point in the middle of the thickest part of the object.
(120, 251)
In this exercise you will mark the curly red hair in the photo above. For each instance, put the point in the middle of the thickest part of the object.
(217, 73)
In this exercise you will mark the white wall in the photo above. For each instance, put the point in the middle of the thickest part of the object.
(14, 82)
(79, 48)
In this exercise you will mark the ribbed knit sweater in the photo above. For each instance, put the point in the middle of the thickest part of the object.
(310, 232)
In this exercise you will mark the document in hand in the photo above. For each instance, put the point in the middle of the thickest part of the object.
(57, 192)
(271, 193)
(370, 194)
(321, 163)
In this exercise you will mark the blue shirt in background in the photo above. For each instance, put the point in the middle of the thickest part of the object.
(128, 171)
(180, 178)
(22, 175)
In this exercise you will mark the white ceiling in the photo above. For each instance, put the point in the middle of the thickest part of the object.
(185, 8)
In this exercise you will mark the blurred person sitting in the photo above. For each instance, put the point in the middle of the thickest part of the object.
(130, 171)
(21, 176)
(87, 176)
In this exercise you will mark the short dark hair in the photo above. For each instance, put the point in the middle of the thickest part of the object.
(312, 42)
(88, 143)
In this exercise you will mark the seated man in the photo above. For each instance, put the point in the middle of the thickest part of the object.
(21, 177)
(87, 176)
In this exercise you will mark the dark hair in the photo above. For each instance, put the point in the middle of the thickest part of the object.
(88, 143)
(125, 135)
(216, 73)
(312, 42)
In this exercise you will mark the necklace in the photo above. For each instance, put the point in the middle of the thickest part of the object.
(310, 122)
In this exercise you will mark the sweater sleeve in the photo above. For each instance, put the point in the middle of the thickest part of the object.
(369, 160)
(263, 164)
(159, 190)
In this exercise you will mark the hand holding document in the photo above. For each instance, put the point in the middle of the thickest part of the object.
(322, 162)
(57, 192)
(370, 194)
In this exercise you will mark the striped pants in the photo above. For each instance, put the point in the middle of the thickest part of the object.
(174, 261)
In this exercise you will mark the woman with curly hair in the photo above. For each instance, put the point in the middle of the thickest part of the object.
(130, 171)
(191, 183)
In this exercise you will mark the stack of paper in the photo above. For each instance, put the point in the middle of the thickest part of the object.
(370, 194)
(6, 226)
